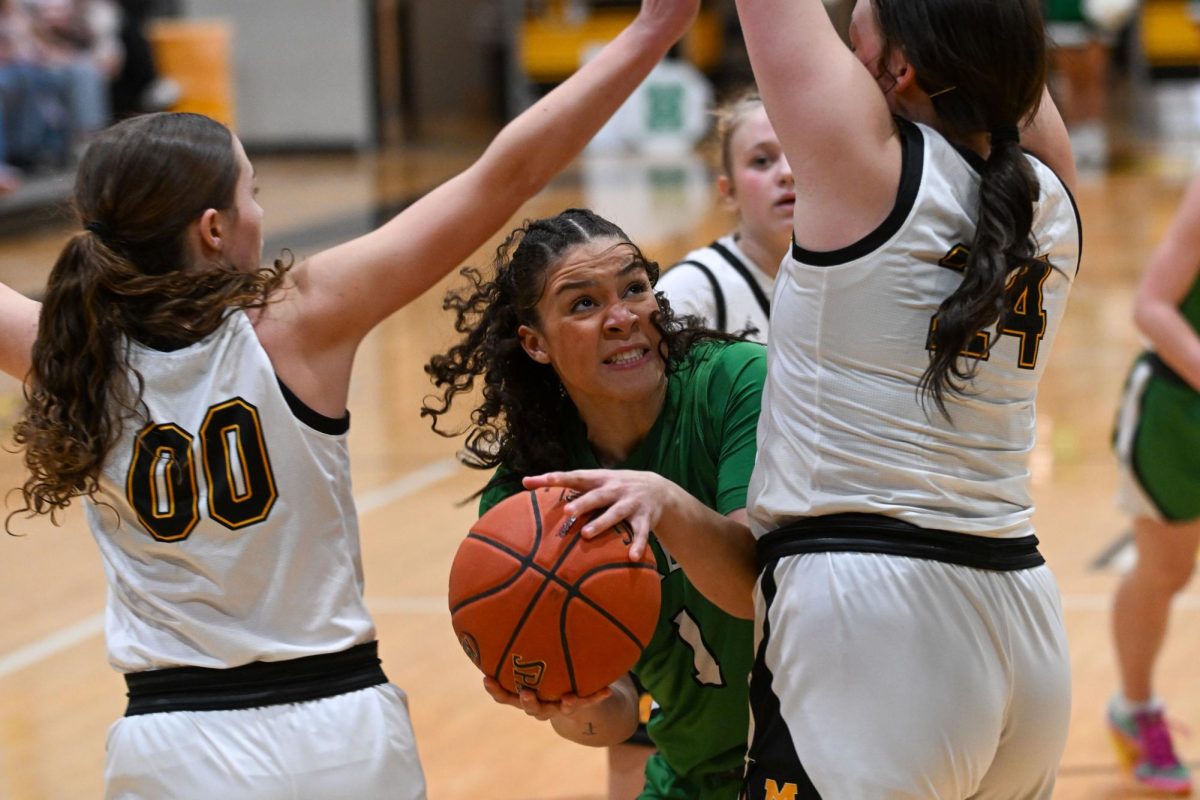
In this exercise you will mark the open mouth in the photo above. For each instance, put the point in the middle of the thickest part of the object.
(627, 357)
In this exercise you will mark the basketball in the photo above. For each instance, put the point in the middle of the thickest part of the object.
(536, 606)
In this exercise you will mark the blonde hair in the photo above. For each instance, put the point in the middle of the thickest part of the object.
(730, 116)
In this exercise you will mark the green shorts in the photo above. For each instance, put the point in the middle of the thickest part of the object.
(1157, 439)
(663, 783)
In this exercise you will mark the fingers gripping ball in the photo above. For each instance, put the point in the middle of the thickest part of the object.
(537, 606)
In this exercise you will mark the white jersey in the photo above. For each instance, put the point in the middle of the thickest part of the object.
(732, 296)
(226, 522)
(843, 428)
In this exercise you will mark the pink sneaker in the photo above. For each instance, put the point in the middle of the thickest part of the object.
(1143, 744)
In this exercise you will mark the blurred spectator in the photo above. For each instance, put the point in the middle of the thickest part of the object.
(79, 43)
(138, 87)
(34, 117)
(1082, 32)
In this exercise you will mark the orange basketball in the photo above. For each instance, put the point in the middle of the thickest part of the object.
(537, 606)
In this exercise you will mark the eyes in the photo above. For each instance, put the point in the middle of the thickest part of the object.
(588, 302)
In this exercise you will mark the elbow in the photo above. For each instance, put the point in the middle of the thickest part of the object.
(1140, 314)
(741, 606)
(1146, 314)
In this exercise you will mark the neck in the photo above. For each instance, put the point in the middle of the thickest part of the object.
(766, 255)
(615, 429)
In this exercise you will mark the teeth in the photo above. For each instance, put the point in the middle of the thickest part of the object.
(626, 357)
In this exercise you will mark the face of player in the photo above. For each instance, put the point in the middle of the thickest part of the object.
(243, 243)
(594, 326)
(760, 184)
(866, 41)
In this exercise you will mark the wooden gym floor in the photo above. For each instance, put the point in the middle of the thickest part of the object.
(58, 695)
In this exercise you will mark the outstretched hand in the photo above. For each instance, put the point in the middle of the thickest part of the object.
(635, 498)
(566, 706)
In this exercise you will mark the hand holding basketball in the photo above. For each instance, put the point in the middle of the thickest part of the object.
(526, 700)
(616, 497)
(537, 606)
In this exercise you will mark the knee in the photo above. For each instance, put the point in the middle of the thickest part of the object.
(1167, 577)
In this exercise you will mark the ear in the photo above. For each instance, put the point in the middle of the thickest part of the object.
(727, 191)
(210, 232)
(531, 343)
(902, 71)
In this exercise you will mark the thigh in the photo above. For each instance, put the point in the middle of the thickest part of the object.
(1035, 730)
(880, 676)
(359, 744)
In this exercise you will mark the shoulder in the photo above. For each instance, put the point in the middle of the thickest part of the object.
(722, 365)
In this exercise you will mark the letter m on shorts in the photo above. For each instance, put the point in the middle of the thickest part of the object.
(788, 792)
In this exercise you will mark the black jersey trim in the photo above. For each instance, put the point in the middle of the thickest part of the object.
(1162, 370)
(718, 295)
(1074, 208)
(912, 158)
(741, 269)
(314, 419)
(261, 683)
(874, 533)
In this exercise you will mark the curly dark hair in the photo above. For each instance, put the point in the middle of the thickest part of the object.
(126, 278)
(522, 420)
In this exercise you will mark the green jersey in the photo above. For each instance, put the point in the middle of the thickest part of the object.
(697, 664)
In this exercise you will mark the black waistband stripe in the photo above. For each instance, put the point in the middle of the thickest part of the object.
(262, 683)
(873, 533)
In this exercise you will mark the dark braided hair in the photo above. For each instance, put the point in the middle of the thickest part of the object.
(965, 56)
(525, 413)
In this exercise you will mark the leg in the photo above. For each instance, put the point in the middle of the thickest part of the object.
(1141, 610)
(1166, 557)
(627, 770)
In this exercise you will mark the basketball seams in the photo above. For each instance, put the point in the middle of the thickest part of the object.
(524, 562)
(561, 566)
(575, 592)
(541, 590)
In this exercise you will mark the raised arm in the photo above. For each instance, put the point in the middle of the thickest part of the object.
(345, 291)
(831, 118)
(18, 329)
(1046, 137)
(1173, 271)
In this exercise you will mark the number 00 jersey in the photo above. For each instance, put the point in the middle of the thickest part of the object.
(226, 523)
(843, 427)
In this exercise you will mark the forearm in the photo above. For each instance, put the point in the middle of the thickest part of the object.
(1173, 338)
(18, 329)
(538, 144)
(604, 724)
(715, 551)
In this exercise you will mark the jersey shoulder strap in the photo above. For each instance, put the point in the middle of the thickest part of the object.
(740, 268)
(718, 295)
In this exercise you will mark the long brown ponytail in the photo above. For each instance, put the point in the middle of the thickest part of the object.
(125, 277)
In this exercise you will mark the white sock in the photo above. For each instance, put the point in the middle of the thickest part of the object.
(1126, 707)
